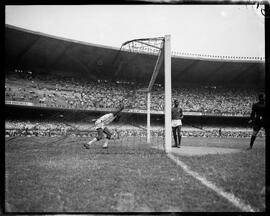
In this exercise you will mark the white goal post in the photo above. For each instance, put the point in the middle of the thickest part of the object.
(164, 56)
(168, 93)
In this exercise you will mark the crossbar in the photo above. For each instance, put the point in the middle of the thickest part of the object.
(142, 39)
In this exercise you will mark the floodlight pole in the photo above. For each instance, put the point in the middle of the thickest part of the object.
(148, 116)
(168, 94)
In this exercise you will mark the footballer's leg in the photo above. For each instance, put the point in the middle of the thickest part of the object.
(99, 137)
(109, 134)
(179, 135)
(256, 129)
(174, 136)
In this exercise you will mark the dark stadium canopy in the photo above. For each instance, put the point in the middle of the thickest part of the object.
(43, 53)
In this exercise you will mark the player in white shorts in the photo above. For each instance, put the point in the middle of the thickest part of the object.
(100, 125)
(177, 116)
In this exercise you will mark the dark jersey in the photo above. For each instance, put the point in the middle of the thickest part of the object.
(258, 112)
(177, 113)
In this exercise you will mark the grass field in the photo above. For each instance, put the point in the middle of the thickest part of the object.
(46, 174)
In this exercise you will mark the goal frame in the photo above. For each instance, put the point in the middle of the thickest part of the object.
(168, 94)
(164, 56)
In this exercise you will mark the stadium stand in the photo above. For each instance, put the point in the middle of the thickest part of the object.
(51, 91)
(63, 92)
(54, 128)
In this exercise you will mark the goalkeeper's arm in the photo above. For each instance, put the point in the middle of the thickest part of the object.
(118, 111)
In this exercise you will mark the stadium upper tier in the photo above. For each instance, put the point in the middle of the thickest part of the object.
(53, 55)
(78, 94)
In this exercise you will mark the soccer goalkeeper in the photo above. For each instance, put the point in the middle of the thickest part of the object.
(100, 125)
(257, 118)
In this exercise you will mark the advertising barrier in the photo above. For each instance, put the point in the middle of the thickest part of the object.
(22, 103)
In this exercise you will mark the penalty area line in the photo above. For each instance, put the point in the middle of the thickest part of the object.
(228, 196)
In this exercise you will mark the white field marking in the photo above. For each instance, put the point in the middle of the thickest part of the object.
(229, 196)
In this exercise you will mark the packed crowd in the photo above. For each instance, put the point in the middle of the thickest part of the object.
(74, 94)
(192, 133)
(27, 128)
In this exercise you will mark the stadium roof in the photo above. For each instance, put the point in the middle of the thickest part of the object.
(49, 54)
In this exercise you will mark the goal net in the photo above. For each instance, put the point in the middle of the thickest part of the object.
(148, 97)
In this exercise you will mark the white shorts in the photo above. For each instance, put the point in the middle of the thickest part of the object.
(176, 122)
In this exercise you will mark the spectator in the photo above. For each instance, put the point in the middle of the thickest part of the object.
(105, 94)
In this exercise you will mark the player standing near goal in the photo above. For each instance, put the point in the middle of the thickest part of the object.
(257, 118)
(177, 116)
(100, 125)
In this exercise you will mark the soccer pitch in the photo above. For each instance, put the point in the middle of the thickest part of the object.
(45, 174)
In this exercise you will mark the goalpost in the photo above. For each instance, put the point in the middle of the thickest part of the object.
(168, 93)
(160, 46)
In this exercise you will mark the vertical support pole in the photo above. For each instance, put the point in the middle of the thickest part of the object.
(168, 93)
(148, 115)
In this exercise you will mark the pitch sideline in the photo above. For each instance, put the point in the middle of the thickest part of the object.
(228, 196)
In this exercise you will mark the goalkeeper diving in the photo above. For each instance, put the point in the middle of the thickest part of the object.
(100, 126)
